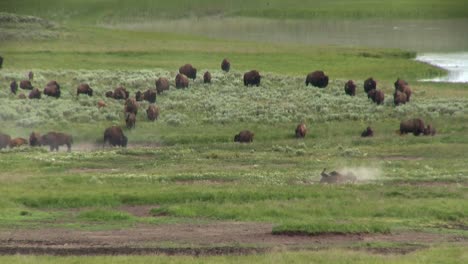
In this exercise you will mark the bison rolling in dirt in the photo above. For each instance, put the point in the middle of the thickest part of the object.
(152, 112)
(301, 130)
(207, 77)
(162, 84)
(252, 78)
(26, 85)
(225, 65)
(189, 71)
(350, 88)
(244, 137)
(181, 81)
(336, 177)
(56, 139)
(35, 94)
(370, 84)
(13, 87)
(52, 89)
(368, 132)
(18, 142)
(4, 140)
(415, 126)
(115, 136)
(84, 89)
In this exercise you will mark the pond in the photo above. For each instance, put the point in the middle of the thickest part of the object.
(455, 63)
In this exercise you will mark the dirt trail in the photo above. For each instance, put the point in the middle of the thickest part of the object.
(194, 239)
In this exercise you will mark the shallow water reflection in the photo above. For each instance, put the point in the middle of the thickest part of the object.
(455, 63)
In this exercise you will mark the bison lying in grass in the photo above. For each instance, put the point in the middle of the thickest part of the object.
(244, 137)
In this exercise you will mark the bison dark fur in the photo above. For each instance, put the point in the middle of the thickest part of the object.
(26, 85)
(368, 132)
(162, 84)
(130, 120)
(399, 98)
(115, 136)
(301, 130)
(317, 79)
(35, 94)
(207, 77)
(415, 126)
(189, 71)
(181, 81)
(52, 89)
(225, 65)
(13, 87)
(34, 139)
(152, 112)
(252, 78)
(370, 84)
(377, 96)
(244, 137)
(84, 89)
(350, 88)
(150, 96)
(56, 139)
(120, 93)
(4, 140)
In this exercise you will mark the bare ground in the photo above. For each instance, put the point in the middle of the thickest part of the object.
(217, 238)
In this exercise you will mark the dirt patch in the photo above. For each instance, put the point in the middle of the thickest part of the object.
(138, 210)
(400, 157)
(394, 250)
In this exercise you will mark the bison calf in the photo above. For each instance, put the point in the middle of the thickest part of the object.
(17, 142)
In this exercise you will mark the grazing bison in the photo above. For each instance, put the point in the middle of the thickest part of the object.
(34, 139)
(13, 87)
(35, 94)
(56, 139)
(415, 126)
(399, 83)
(17, 142)
(244, 137)
(139, 96)
(101, 104)
(189, 71)
(120, 93)
(207, 77)
(4, 140)
(110, 94)
(336, 177)
(404, 88)
(115, 136)
(399, 98)
(131, 106)
(377, 96)
(152, 112)
(368, 132)
(350, 88)
(30, 75)
(301, 130)
(130, 120)
(150, 96)
(317, 79)
(252, 78)
(181, 81)
(84, 89)
(370, 84)
(26, 85)
(429, 130)
(225, 65)
(22, 96)
(1, 62)
(162, 84)
(52, 89)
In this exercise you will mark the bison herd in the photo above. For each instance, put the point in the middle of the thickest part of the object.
(115, 137)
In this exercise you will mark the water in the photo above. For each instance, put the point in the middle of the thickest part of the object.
(455, 63)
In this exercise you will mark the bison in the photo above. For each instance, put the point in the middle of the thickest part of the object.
(399, 83)
(429, 130)
(150, 96)
(109, 94)
(252, 78)
(120, 93)
(115, 136)
(52, 89)
(13, 87)
(399, 98)
(30, 75)
(181, 81)
(56, 139)
(34, 139)
(1, 62)
(244, 137)
(84, 89)
(131, 106)
(152, 112)
(17, 142)
(139, 96)
(130, 120)
(189, 71)
(317, 79)
(336, 177)
(225, 65)
(404, 89)
(368, 132)
(162, 84)
(35, 94)
(301, 130)
(415, 126)
(26, 85)
(370, 84)
(350, 88)
(377, 96)
(207, 77)
(101, 104)
(4, 140)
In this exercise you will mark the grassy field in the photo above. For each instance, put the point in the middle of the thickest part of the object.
(184, 169)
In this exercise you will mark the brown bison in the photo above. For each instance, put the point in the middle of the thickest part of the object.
(120, 93)
(402, 86)
(150, 96)
(17, 142)
(4, 140)
(1, 62)
(26, 85)
(189, 71)
(101, 104)
(181, 81)
(131, 106)
(252, 78)
(130, 120)
(317, 79)
(109, 94)
(35, 94)
(399, 83)
(162, 84)
(350, 88)
(115, 136)
(152, 112)
(301, 130)
(336, 177)
(84, 89)
(34, 139)
(244, 137)
(368, 132)
(13, 87)
(52, 89)
(225, 65)
(370, 84)
(429, 130)
(207, 77)
(56, 139)
(139, 96)
(399, 98)
(415, 126)
(30, 75)
(377, 96)
(22, 96)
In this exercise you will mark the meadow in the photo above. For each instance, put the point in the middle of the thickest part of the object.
(259, 202)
